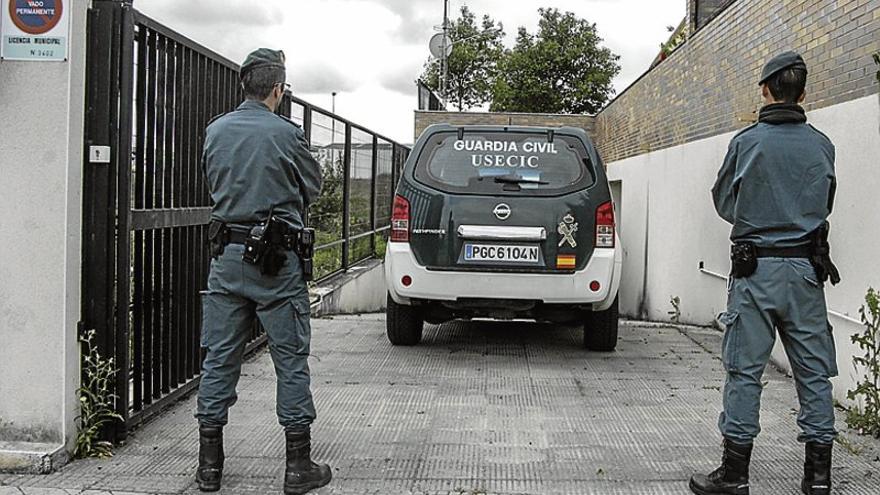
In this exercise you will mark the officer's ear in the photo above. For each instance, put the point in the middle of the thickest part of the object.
(803, 97)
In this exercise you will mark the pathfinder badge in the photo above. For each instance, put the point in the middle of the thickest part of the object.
(567, 228)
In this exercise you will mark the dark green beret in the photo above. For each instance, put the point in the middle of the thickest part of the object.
(780, 62)
(262, 57)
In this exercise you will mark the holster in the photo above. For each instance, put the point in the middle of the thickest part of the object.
(306, 250)
(743, 259)
(218, 238)
(265, 247)
(820, 255)
(268, 244)
(273, 259)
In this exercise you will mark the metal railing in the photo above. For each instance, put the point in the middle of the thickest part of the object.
(360, 168)
(151, 93)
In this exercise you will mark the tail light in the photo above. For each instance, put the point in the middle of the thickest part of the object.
(605, 225)
(400, 220)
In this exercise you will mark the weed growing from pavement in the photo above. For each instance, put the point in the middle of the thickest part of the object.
(96, 399)
(849, 446)
(864, 416)
(675, 314)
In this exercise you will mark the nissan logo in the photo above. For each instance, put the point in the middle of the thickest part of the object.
(502, 211)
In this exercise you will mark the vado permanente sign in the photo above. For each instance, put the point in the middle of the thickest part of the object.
(34, 29)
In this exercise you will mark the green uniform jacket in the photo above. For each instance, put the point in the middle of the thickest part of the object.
(776, 185)
(256, 160)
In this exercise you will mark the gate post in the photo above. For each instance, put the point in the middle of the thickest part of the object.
(106, 243)
(41, 158)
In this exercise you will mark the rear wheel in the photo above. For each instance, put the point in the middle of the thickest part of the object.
(403, 324)
(600, 329)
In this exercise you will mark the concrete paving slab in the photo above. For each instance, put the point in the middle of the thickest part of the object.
(481, 409)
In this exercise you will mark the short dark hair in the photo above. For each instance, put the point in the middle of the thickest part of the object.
(787, 85)
(258, 83)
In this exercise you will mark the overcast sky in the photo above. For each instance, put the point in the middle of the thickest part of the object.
(371, 51)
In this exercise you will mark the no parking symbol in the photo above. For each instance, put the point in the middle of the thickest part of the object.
(34, 30)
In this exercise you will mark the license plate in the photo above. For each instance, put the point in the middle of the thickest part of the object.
(530, 255)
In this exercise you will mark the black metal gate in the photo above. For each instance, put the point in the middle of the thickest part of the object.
(150, 93)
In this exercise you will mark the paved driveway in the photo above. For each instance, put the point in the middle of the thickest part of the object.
(480, 408)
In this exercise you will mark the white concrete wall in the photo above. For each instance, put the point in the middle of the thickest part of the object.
(668, 226)
(360, 290)
(41, 143)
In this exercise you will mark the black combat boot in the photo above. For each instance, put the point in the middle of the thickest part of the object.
(302, 474)
(731, 478)
(817, 469)
(210, 458)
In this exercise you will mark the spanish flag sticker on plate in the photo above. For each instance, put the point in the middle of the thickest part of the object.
(565, 261)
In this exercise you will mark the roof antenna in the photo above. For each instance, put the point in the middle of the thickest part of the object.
(461, 133)
(550, 134)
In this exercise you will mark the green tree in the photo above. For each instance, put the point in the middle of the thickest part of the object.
(473, 64)
(561, 69)
(325, 213)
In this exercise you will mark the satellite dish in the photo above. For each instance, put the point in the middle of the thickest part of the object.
(436, 45)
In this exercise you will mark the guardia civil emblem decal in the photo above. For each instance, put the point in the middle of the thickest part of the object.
(567, 228)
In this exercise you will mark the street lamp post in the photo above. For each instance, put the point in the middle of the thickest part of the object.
(444, 61)
(333, 119)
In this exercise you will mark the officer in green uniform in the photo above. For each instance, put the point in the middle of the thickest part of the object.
(776, 187)
(258, 167)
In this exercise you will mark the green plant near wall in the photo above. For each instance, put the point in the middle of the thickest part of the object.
(381, 243)
(96, 400)
(679, 36)
(877, 61)
(864, 416)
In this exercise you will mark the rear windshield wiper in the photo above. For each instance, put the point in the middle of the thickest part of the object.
(517, 179)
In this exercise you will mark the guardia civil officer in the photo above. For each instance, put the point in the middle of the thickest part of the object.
(261, 178)
(776, 187)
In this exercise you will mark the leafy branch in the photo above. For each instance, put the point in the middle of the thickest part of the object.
(865, 414)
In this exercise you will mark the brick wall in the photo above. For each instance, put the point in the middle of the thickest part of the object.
(709, 85)
(424, 119)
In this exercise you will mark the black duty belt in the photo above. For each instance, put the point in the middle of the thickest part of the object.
(289, 240)
(237, 236)
(788, 252)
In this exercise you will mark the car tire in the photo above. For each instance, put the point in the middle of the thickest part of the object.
(403, 324)
(600, 329)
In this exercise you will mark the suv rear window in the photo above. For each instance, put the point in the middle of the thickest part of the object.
(505, 163)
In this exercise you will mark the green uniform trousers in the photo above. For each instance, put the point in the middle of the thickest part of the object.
(237, 295)
(782, 295)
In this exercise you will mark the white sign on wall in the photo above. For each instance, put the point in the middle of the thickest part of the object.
(34, 29)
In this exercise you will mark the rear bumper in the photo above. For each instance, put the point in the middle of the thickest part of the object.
(574, 288)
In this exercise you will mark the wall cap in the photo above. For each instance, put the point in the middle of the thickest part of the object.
(31, 458)
(525, 114)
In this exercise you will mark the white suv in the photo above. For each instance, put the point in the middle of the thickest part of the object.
(503, 223)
